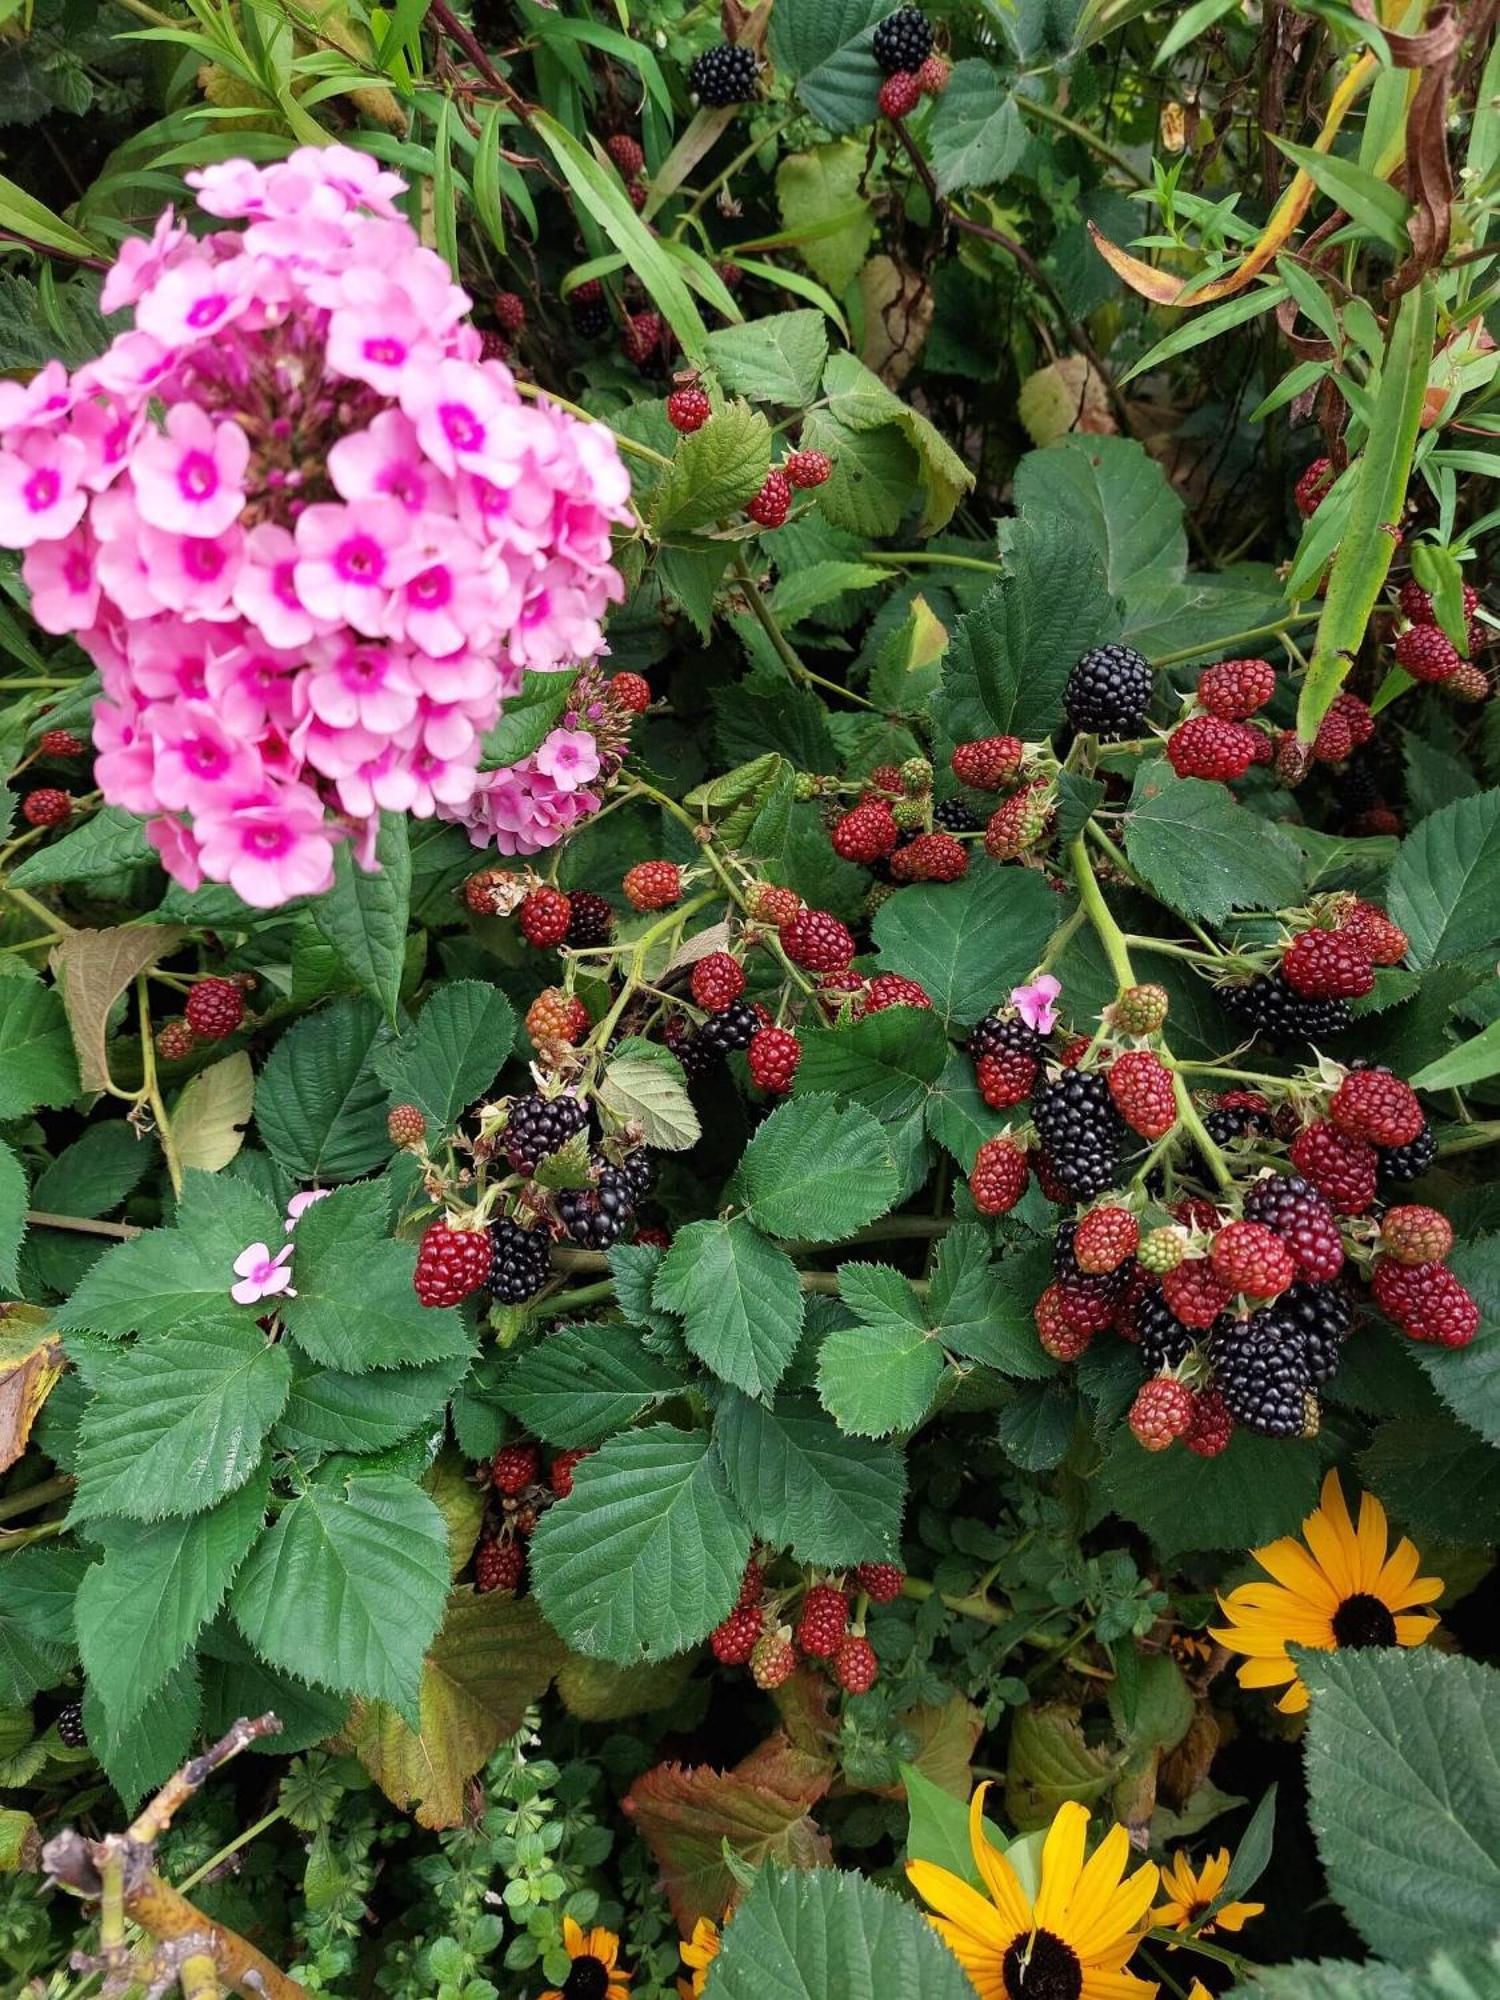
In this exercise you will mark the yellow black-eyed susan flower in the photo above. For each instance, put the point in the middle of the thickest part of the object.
(1188, 1891)
(1336, 1588)
(1072, 1942)
(595, 1973)
(698, 1954)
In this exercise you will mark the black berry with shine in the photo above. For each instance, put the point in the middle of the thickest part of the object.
(724, 75)
(1320, 1316)
(591, 921)
(595, 1217)
(1260, 1365)
(903, 40)
(954, 816)
(521, 1264)
(538, 1126)
(1162, 1338)
(70, 1725)
(733, 1027)
(1411, 1161)
(997, 1033)
(1235, 1121)
(639, 1170)
(1109, 691)
(1268, 1007)
(1081, 1131)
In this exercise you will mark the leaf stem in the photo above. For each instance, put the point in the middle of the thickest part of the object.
(1228, 647)
(785, 652)
(967, 1607)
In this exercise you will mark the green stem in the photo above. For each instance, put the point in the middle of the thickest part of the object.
(240, 1840)
(45, 1491)
(1470, 1138)
(966, 1607)
(1230, 647)
(24, 900)
(151, 1089)
(1032, 107)
(766, 619)
(1170, 950)
(932, 558)
(576, 1299)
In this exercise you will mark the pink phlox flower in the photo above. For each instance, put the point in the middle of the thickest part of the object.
(465, 415)
(270, 851)
(176, 845)
(64, 582)
(189, 477)
(43, 401)
(140, 261)
(1034, 1002)
(233, 189)
(569, 757)
(350, 557)
(265, 589)
(362, 686)
(195, 300)
(41, 495)
(262, 1275)
(193, 574)
(386, 462)
(301, 1202)
(198, 763)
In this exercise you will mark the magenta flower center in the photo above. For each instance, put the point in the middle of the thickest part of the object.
(461, 427)
(197, 476)
(41, 490)
(434, 587)
(360, 559)
(203, 312)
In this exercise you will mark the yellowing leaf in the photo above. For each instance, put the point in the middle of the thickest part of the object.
(31, 1360)
(210, 1116)
(93, 969)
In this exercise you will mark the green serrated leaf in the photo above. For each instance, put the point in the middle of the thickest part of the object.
(1203, 854)
(778, 359)
(881, 1375)
(1444, 889)
(653, 1093)
(817, 1169)
(320, 1103)
(968, 943)
(583, 1383)
(363, 917)
(37, 1064)
(739, 1300)
(453, 1054)
(714, 471)
(800, 1481)
(824, 1935)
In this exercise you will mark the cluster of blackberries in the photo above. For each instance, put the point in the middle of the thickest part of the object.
(536, 1127)
(724, 75)
(598, 1215)
(1266, 1006)
(521, 1262)
(1081, 1133)
(1269, 1365)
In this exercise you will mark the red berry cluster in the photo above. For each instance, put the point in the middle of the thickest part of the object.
(900, 94)
(770, 1632)
(1426, 652)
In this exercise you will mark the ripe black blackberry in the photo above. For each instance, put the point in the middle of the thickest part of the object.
(1411, 1161)
(1109, 691)
(733, 1027)
(1267, 1006)
(538, 1126)
(1065, 1267)
(639, 1170)
(724, 75)
(1081, 1132)
(591, 317)
(1260, 1366)
(590, 920)
(903, 40)
(954, 816)
(698, 1057)
(1320, 1316)
(1235, 1121)
(1162, 1338)
(998, 1032)
(521, 1263)
(1302, 1218)
(70, 1725)
(595, 1217)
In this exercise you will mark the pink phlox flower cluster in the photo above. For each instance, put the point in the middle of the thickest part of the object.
(309, 537)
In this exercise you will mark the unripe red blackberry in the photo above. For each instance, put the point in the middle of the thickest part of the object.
(1414, 1234)
(752, 1584)
(1384, 941)
(499, 1564)
(514, 1468)
(555, 1016)
(1140, 1010)
(1376, 1105)
(1427, 653)
(735, 1639)
(1162, 1412)
(823, 1621)
(773, 1056)
(1206, 746)
(1211, 1427)
(1105, 1239)
(899, 95)
(1020, 821)
(934, 76)
(1426, 1301)
(892, 989)
(716, 980)
(1006, 1078)
(770, 903)
(626, 154)
(631, 691)
(773, 503)
(1060, 1331)
(1194, 1292)
(1249, 1258)
(1327, 965)
(1312, 486)
(880, 1582)
(560, 1471)
(451, 1262)
(807, 468)
(1144, 1094)
(688, 410)
(818, 942)
(1417, 605)
(855, 1666)
(867, 833)
(1342, 1169)
(640, 336)
(543, 916)
(405, 1125)
(47, 806)
(1303, 1219)
(214, 1008)
(935, 857)
(60, 744)
(988, 762)
(510, 312)
(772, 1661)
(1235, 689)
(175, 1040)
(1470, 683)
(998, 1177)
(652, 885)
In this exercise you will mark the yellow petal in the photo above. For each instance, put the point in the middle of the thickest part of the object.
(1415, 1629)
(1234, 1916)
(1268, 1673)
(1117, 1986)
(1062, 1862)
(1294, 1701)
(1104, 1909)
(1372, 1537)
(1398, 1572)
(1290, 1564)
(1213, 1874)
(999, 1878)
(984, 1966)
(573, 1939)
(962, 1906)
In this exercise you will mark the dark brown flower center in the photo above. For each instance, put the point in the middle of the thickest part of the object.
(1362, 1620)
(588, 1980)
(1040, 1966)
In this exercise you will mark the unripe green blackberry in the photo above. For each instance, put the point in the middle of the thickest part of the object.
(909, 814)
(1163, 1249)
(1141, 1010)
(916, 776)
(805, 785)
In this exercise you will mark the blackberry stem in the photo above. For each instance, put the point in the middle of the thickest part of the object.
(785, 652)
(1117, 952)
(1230, 646)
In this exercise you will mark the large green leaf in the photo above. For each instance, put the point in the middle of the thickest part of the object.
(976, 136)
(1470, 1974)
(800, 1481)
(825, 46)
(968, 943)
(982, 1309)
(320, 1104)
(330, 1410)
(714, 471)
(111, 839)
(363, 917)
(140, 1609)
(1121, 502)
(584, 1383)
(37, 1063)
(355, 1306)
(348, 1588)
(817, 1169)
(177, 1420)
(1444, 889)
(739, 1299)
(778, 359)
(1203, 854)
(453, 1054)
(1250, 1494)
(886, 1061)
(881, 1374)
(825, 1935)
(1403, 1774)
(646, 1554)
(1436, 1478)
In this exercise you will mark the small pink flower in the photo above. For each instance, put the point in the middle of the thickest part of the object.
(269, 853)
(41, 499)
(1034, 1003)
(189, 478)
(63, 582)
(348, 559)
(569, 757)
(385, 462)
(465, 419)
(299, 1203)
(198, 763)
(195, 300)
(261, 1276)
